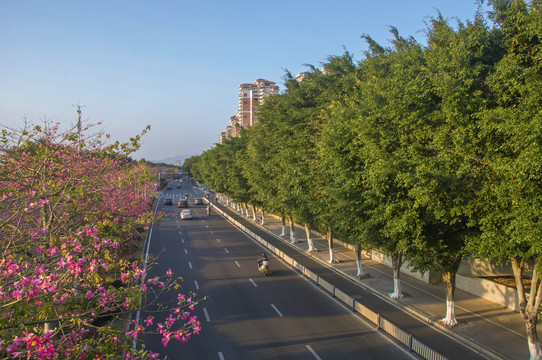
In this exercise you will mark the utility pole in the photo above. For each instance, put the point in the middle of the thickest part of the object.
(79, 115)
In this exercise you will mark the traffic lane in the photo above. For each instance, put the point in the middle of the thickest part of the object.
(246, 306)
(239, 317)
(168, 247)
(433, 338)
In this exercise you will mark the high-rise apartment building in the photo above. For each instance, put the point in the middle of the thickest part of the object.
(250, 96)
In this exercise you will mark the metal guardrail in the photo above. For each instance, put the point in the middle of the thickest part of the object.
(414, 345)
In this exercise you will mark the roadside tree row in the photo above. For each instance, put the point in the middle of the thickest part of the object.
(429, 153)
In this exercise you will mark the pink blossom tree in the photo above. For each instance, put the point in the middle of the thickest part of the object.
(71, 212)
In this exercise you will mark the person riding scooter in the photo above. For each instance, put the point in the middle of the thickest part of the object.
(209, 209)
(263, 261)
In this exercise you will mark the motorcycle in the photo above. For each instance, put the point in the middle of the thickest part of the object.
(264, 268)
(208, 211)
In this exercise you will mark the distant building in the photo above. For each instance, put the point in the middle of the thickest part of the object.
(250, 96)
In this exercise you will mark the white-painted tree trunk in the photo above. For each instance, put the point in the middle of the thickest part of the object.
(254, 217)
(263, 217)
(396, 260)
(247, 210)
(359, 264)
(293, 239)
(450, 319)
(529, 306)
(309, 239)
(330, 245)
(283, 226)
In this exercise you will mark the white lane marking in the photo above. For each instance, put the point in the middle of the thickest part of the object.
(226, 250)
(212, 233)
(217, 239)
(206, 315)
(277, 310)
(207, 226)
(182, 240)
(236, 263)
(255, 285)
(196, 283)
(180, 233)
(220, 356)
(314, 353)
(186, 251)
(190, 265)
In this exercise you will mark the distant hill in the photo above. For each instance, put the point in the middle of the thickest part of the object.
(175, 160)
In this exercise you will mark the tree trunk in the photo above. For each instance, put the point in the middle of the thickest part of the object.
(247, 210)
(396, 260)
(263, 217)
(293, 239)
(309, 239)
(450, 319)
(283, 224)
(529, 308)
(254, 217)
(332, 258)
(360, 273)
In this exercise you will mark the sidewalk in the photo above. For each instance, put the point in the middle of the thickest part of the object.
(494, 331)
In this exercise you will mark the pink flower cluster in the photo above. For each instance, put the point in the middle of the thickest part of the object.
(71, 213)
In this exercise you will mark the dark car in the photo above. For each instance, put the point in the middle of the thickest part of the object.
(179, 186)
(182, 203)
(168, 201)
(198, 201)
(169, 187)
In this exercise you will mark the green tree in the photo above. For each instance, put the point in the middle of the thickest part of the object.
(510, 212)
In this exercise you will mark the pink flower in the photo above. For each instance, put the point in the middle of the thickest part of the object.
(148, 321)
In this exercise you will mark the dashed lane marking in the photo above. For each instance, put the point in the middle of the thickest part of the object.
(206, 315)
(313, 353)
(277, 310)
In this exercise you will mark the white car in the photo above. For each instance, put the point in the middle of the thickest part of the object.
(186, 214)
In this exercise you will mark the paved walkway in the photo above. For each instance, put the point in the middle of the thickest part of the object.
(493, 330)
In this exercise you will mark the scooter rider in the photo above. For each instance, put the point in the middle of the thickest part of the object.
(209, 209)
(261, 259)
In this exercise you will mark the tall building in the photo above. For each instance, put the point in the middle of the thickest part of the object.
(250, 96)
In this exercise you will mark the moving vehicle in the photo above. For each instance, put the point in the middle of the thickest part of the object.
(198, 201)
(263, 265)
(182, 203)
(186, 214)
(168, 201)
(264, 268)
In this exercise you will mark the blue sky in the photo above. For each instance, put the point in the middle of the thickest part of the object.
(176, 65)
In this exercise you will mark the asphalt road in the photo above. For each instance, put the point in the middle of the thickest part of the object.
(247, 315)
